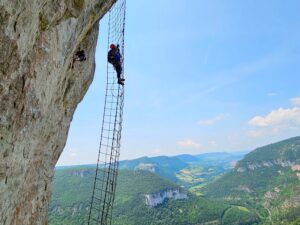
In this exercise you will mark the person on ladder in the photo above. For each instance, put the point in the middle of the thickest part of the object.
(114, 57)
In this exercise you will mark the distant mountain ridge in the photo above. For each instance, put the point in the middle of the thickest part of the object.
(170, 167)
(192, 171)
(185, 158)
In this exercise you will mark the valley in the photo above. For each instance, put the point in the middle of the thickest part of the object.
(261, 187)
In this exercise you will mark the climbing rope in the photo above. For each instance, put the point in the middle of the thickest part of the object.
(109, 150)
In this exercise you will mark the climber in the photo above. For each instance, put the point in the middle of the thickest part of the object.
(114, 57)
(79, 56)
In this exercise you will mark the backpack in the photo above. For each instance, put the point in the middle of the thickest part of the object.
(111, 57)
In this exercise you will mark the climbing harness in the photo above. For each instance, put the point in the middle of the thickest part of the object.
(104, 187)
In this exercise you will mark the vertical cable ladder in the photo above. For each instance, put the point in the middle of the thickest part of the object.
(104, 187)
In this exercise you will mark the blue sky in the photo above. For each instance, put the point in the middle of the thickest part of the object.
(201, 76)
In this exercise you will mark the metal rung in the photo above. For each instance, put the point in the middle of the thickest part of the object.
(107, 146)
(108, 192)
(98, 199)
(105, 171)
(109, 109)
(106, 130)
(108, 123)
(108, 138)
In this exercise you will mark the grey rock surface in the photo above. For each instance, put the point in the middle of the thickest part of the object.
(39, 92)
(155, 199)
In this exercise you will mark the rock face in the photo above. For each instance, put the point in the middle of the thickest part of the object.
(268, 164)
(147, 167)
(39, 92)
(153, 200)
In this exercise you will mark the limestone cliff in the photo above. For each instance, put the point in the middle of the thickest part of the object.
(155, 199)
(39, 92)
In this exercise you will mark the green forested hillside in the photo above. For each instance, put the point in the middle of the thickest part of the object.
(263, 188)
(72, 192)
(267, 180)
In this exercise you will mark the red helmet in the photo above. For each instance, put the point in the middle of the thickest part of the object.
(112, 46)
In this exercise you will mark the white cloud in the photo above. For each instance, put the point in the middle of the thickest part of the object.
(213, 121)
(278, 117)
(157, 151)
(272, 94)
(213, 143)
(188, 143)
(74, 154)
(256, 133)
(296, 101)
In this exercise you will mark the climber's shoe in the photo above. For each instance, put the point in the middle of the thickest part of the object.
(120, 81)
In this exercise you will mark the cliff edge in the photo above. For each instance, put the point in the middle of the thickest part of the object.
(39, 92)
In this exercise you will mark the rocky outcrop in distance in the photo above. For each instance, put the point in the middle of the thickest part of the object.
(155, 199)
(268, 164)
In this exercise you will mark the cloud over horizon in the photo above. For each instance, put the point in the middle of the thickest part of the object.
(279, 116)
(278, 122)
(74, 154)
(296, 101)
(188, 143)
(214, 120)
